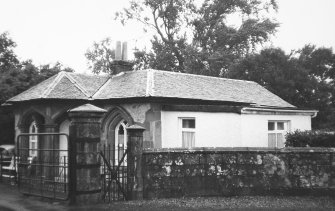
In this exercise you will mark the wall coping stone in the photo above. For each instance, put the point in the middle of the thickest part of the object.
(242, 149)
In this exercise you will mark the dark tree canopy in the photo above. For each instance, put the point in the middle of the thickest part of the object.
(100, 56)
(8, 58)
(320, 61)
(200, 40)
(304, 78)
(15, 77)
(26, 75)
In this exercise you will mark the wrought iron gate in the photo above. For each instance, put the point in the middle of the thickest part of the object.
(43, 167)
(114, 172)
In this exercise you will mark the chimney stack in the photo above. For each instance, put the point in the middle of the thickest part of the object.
(121, 63)
(124, 51)
(118, 55)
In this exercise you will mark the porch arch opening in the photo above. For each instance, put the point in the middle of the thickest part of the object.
(115, 117)
(28, 117)
(30, 122)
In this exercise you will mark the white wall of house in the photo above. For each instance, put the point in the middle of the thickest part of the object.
(211, 129)
(64, 127)
(226, 129)
(254, 127)
(63, 142)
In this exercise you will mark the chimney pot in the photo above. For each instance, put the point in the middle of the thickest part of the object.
(124, 51)
(121, 63)
(118, 55)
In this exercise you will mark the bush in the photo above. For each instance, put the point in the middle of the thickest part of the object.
(311, 138)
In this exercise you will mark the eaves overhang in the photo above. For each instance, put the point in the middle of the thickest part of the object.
(279, 111)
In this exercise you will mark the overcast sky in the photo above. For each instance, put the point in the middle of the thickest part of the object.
(47, 31)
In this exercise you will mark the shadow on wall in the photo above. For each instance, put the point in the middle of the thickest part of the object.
(7, 132)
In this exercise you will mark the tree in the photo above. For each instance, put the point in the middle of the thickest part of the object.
(26, 75)
(101, 56)
(15, 77)
(168, 18)
(321, 65)
(200, 40)
(8, 58)
(303, 78)
(278, 72)
(320, 61)
(16, 80)
(46, 71)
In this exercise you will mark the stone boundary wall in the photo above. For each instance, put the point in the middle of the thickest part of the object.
(237, 171)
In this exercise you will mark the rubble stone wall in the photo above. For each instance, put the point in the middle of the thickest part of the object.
(237, 171)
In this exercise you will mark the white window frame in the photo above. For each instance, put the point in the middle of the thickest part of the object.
(33, 139)
(124, 124)
(276, 131)
(117, 128)
(181, 129)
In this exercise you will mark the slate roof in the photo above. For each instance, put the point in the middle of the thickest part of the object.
(64, 85)
(152, 83)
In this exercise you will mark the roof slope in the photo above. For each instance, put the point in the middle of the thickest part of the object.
(169, 84)
(64, 85)
(124, 85)
(152, 83)
(155, 83)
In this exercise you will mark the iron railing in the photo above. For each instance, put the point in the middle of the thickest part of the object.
(43, 171)
(114, 172)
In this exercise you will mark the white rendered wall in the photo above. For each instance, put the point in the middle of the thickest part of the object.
(63, 143)
(226, 129)
(212, 129)
(255, 127)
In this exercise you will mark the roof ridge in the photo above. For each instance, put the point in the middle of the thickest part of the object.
(59, 76)
(107, 82)
(85, 74)
(101, 87)
(74, 82)
(204, 76)
(150, 83)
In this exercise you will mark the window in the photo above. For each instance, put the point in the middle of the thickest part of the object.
(33, 140)
(120, 140)
(121, 134)
(187, 132)
(276, 133)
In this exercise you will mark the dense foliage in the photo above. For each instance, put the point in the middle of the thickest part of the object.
(200, 39)
(15, 77)
(304, 78)
(8, 59)
(192, 38)
(100, 56)
(310, 139)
